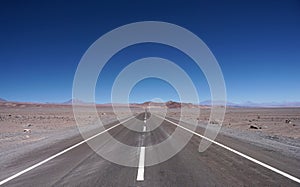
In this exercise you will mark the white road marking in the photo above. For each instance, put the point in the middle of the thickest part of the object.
(238, 153)
(141, 169)
(60, 153)
(140, 174)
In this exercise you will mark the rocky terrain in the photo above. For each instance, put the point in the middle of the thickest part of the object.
(273, 121)
(22, 123)
(25, 123)
(274, 129)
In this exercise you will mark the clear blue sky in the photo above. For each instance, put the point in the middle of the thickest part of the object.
(257, 44)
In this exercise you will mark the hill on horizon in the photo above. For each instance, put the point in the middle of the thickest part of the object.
(175, 104)
(2, 100)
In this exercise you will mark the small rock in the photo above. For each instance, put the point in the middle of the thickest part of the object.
(288, 121)
(253, 127)
(27, 130)
(214, 122)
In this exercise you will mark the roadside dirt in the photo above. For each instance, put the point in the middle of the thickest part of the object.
(26, 123)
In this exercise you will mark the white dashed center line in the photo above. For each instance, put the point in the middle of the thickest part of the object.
(140, 174)
(141, 169)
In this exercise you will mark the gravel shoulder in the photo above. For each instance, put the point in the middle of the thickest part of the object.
(273, 138)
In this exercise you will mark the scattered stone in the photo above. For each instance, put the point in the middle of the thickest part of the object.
(288, 121)
(214, 122)
(29, 125)
(253, 127)
(27, 130)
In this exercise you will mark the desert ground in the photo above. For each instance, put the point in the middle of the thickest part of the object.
(27, 129)
(27, 123)
(283, 122)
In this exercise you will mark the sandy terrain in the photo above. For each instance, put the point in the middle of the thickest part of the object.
(276, 129)
(25, 123)
(273, 121)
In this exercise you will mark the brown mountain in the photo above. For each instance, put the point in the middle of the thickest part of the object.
(2, 100)
(169, 104)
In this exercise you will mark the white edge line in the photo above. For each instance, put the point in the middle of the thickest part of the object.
(140, 174)
(60, 153)
(238, 153)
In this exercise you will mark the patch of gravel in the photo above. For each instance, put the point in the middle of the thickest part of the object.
(285, 145)
(15, 146)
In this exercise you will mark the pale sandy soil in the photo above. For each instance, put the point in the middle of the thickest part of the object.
(273, 121)
(45, 121)
(273, 131)
(48, 123)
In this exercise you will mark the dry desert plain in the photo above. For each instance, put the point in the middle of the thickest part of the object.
(26, 126)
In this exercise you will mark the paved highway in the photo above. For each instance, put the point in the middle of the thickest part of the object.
(217, 166)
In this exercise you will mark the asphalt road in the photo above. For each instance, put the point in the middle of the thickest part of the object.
(81, 166)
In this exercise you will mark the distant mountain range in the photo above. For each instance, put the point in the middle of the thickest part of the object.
(169, 104)
(174, 104)
(209, 102)
(2, 100)
(77, 101)
(253, 104)
(271, 104)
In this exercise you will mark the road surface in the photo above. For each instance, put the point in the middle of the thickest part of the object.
(81, 166)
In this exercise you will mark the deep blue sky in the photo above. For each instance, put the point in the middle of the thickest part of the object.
(257, 44)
